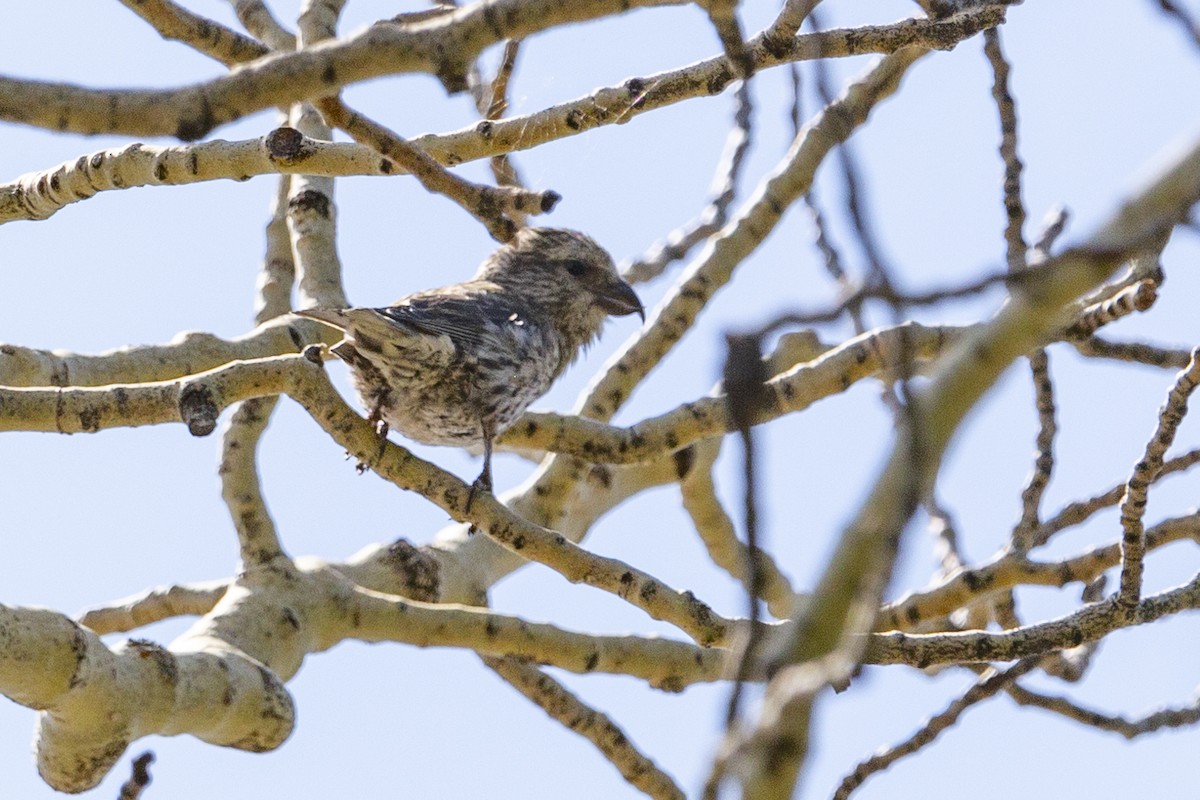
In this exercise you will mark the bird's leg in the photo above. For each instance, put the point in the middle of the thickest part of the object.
(484, 481)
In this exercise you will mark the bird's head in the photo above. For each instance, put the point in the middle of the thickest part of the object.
(570, 277)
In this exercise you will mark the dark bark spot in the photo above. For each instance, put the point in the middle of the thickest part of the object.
(283, 143)
(310, 200)
(89, 420)
(684, 459)
(198, 409)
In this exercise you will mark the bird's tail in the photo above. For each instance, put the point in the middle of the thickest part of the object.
(334, 317)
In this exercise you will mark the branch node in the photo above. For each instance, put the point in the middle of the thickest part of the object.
(284, 144)
(315, 353)
(198, 409)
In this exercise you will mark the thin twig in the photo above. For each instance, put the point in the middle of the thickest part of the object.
(784, 28)
(1008, 569)
(1052, 227)
(488, 204)
(891, 296)
(723, 16)
(154, 605)
(993, 681)
(1137, 352)
(745, 376)
(1129, 728)
(240, 486)
(716, 531)
(613, 743)
(763, 210)
(1075, 513)
(258, 20)
(502, 165)
(1043, 465)
(1137, 297)
(680, 241)
(879, 272)
(1014, 207)
(1190, 25)
(1133, 505)
(949, 554)
(822, 238)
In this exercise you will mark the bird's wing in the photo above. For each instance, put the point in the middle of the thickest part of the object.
(469, 318)
(429, 328)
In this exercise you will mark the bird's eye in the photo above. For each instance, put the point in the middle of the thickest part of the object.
(575, 267)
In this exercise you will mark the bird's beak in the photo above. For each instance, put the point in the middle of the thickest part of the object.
(619, 299)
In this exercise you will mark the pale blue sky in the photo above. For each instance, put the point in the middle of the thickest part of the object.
(1102, 89)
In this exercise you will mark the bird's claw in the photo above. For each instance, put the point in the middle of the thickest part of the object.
(381, 430)
(482, 484)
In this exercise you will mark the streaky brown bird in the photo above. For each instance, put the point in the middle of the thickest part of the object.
(458, 365)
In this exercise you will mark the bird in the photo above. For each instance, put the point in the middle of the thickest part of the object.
(458, 364)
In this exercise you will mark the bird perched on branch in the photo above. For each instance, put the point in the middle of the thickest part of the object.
(457, 365)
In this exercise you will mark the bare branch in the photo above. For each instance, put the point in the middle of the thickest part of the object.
(960, 380)
(1133, 505)
(154, 605)
(1185, 20)
(967, 586)
(1077, 512)
(992, 682)
(39, 195)
(720, 539)
(680, 241)
(1130, 729)
(261, 23)
(714, 268)
(190, 113)
(488, 204)
(208, 37)
(1043, 466)
(1014, 207)
(1137, 352)
(1088, 624)
(1137, 297)
(557, 701)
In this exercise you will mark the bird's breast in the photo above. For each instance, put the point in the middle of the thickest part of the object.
(491, 382)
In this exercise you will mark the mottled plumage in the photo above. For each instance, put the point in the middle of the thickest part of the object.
(457, 365)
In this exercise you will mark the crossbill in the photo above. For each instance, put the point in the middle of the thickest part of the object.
(458, 365)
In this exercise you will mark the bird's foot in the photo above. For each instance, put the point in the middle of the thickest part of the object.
(381, 430)
(482, 484)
